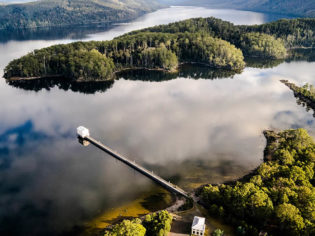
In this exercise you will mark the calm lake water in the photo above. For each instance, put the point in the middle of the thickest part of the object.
(200, 126)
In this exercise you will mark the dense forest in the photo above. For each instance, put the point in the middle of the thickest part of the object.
(208, 41)
(278, 197)
(45, 13)
(156, 224)
(294, 32)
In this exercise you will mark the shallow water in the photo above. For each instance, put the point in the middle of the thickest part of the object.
(197, 127)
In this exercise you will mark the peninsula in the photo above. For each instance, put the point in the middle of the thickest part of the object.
(277, 198)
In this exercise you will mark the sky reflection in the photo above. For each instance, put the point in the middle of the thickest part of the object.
(172, 127)
(188, 130)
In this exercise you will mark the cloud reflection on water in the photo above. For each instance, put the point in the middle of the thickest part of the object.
(171, 126)
(210, 127)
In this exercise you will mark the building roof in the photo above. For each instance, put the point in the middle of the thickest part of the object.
(198, 223)
(83, 132)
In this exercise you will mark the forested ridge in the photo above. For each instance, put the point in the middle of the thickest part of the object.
(47, 13)
(278, 197)
(293, 32)
(208, 41)
(304, 8)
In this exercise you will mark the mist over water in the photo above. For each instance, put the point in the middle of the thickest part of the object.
(197, 127)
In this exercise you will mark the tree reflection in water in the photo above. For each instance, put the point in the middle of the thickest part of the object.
(62, 83)
(186, 71)
(190, 71)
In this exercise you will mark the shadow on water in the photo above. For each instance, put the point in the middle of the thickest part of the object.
(189, 71)
(263, 63)
(61, 83)
(185, 71)
(159, 199)
(147, 75)
(302, 54)
(200, 171)
(305, 103)
(202, 72)
(53, 33)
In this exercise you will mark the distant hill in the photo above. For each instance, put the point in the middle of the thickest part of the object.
(45, 13)
(15, 1)
(297, 7)
(305, 8)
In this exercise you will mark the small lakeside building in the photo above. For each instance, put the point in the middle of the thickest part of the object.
(83, 132)
(198, 226)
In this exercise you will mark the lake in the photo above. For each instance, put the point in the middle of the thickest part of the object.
(199, 126)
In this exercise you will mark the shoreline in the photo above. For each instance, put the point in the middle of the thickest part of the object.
(293, 87)
(172, 71)
(127, 210)
(114, 74)
(197, 203)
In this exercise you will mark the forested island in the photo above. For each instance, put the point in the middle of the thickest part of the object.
(207, 41)
(48, 13)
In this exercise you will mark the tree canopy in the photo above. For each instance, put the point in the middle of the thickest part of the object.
(262, 45)
(128, 228)
(279, 196)
(156, 224)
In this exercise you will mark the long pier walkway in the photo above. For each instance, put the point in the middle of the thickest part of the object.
(84, 134)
